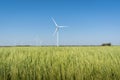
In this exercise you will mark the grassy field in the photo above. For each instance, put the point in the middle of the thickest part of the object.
(60, 63)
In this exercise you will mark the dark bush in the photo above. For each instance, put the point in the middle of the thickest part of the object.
(106, 44)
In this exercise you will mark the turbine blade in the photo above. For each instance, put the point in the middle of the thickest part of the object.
(55, 31)
(63, 26)
(54, 22)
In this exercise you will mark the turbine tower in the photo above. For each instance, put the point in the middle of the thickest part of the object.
(57, 30)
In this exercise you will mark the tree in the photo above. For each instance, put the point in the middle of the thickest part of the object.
(106, 44)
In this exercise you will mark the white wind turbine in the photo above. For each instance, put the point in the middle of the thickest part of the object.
(57, 30)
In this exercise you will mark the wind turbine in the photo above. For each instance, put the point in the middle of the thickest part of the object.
(57, 30)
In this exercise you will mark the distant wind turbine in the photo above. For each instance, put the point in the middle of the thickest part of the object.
(57, 30)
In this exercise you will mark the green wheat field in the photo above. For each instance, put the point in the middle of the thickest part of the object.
(60, 63)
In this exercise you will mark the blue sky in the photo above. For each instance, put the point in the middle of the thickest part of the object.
(91, 22)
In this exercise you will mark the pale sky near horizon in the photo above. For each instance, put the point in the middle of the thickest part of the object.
(28, 22)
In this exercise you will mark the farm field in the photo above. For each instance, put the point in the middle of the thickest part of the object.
(60, 63)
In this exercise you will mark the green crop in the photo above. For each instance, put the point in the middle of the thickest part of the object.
(60, 63)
